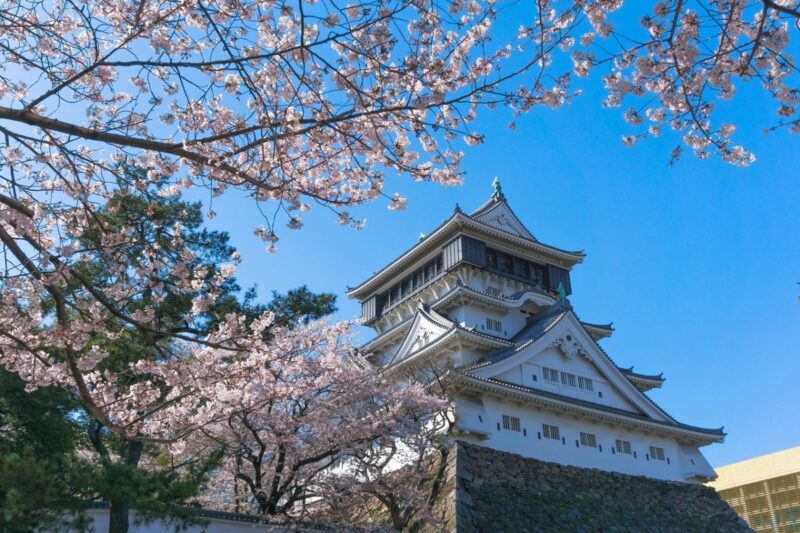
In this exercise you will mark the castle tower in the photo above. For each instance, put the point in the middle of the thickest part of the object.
(481, 296)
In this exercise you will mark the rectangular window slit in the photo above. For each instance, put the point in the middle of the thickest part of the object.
(585, 384)
(550, 375)
(568, 379)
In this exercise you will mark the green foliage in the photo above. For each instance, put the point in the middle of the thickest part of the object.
(43, 481)
(163, 490)
(301, 306)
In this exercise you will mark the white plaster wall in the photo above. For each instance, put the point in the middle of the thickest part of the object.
(483, 280)
(100, 525)
(565, 451)
(466, 356)
(472, 315)
(694, 463)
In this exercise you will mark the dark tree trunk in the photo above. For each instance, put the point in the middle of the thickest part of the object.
(118, 517)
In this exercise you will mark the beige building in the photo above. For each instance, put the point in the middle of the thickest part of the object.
(765, 490)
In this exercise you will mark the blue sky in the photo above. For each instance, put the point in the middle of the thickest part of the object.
(696, 264)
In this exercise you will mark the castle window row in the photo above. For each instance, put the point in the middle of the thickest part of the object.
(516, 266)
(549, 431)
(570, 380)
(467, 250)
(409, 284)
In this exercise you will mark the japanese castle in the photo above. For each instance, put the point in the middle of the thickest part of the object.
(483, 299)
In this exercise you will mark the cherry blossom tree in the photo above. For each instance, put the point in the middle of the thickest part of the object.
(304, 435)
(398, 481)
(295, 104)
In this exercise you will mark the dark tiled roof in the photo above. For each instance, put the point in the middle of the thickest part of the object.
(415, 245)
(541, 324)
(518, 294)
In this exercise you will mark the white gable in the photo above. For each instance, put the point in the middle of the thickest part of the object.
(425, 329)
(501, 217)
(571, 379)
(567, 348)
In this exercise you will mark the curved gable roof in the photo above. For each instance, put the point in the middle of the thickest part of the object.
(497, 213)
(548, 329)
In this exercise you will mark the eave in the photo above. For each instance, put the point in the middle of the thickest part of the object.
(643, 382)
(588, 409)
(598, 331)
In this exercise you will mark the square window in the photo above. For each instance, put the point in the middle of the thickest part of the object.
(657, 453)
(623, 446)
(494, 325)
(588, 439)
(511, 422)
(550, 432)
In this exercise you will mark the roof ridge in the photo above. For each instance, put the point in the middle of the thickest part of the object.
(496, 200)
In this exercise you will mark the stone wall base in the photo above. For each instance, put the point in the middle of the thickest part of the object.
(493, 491)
